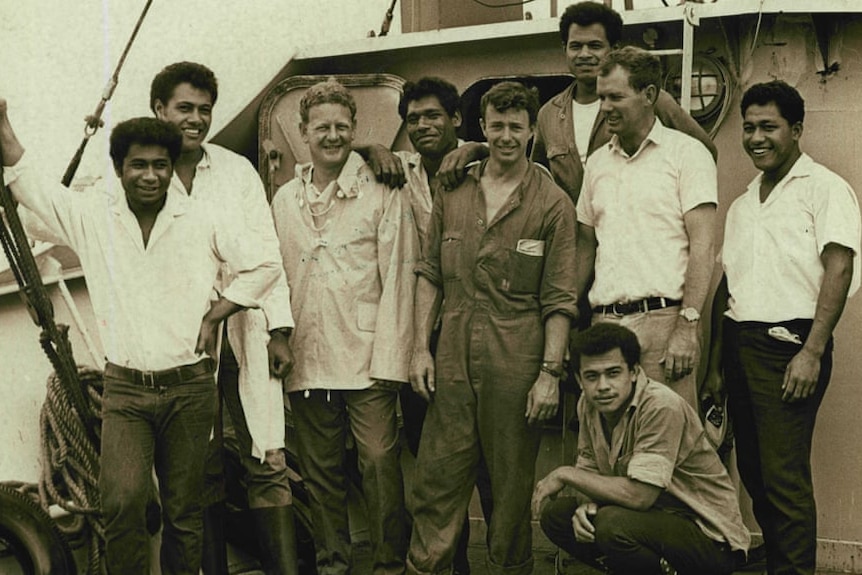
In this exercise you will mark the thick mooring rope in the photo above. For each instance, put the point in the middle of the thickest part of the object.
(70, 459)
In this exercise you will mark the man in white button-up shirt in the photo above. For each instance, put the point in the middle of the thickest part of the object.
(790, 259)
(184, 94)
(646, 223)
(150, 257)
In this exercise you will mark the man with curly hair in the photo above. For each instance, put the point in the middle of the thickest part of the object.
(349, 245)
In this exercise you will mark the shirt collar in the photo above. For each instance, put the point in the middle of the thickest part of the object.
(176, 203)
(803, 168)
(655, 135)
(349, 180)
(205, 161)
(640, 388)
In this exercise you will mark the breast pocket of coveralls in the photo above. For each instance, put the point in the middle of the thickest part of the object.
(450, 255)
(526, 263)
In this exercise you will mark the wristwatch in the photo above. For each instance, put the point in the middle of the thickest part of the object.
(689, 314)
(553, 368)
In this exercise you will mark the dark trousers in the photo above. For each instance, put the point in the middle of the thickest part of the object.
(267, 482)
(632, 542)
(322, 419)
(168, 427)
(773, 440)
(414, 409)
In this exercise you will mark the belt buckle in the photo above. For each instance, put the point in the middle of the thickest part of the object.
(149, 379)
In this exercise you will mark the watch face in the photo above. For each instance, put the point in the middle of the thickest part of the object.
(690, 314)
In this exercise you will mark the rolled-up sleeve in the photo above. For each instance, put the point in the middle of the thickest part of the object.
(655, 452)
(558, 293)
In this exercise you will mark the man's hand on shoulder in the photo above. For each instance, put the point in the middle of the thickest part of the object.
(386, 165)
(280, 354)
(454, 164)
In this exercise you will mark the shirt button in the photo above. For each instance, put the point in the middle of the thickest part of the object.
(480, 222)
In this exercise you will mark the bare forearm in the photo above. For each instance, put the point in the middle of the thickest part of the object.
(620, 491)
(425, 311)
(557, 327)
(838, 273)
(221, 309)
(698, 272)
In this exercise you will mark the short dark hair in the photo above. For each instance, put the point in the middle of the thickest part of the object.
(444, 91)
(786, 98)
(602, 338)
(511, 96)
(644, 68)
(588, 13)
(329, 92)
(198, 75)
(144, 132)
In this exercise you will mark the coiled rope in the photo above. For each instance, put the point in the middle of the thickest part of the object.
(70, 460)
(70, 419)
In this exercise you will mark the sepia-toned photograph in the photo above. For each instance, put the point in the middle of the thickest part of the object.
(426, 287)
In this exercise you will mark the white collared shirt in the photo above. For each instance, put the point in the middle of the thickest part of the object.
(222, 178)
(772, 249)
(636, 205)
(148, 301)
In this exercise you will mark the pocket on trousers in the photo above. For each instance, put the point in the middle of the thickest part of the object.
(525, 272)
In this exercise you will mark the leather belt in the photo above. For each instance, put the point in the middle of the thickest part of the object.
(162, 377)
(637, 306)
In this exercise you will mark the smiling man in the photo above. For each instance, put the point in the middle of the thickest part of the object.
(570, 125)
(790, 259)
(651, 495)
(158, 404)
(647, 223)
(184, 95)
(498, 260)
(348, 245)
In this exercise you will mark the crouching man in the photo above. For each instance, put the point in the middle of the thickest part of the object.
(651, 495)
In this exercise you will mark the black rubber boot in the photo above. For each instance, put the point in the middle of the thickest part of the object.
(215, 553)
(277, 538)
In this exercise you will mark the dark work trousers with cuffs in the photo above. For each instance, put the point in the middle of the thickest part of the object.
(168, 427)
(323, 418)
(413, 409)
(773, 439)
